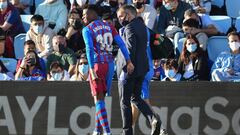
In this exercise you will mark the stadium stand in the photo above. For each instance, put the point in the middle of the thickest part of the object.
(223, 23)
(18, 45)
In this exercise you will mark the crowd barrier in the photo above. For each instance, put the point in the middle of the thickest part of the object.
(66, 108)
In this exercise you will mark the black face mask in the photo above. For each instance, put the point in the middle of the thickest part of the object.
(77, 24)
(113, 3)
(124, 22)
(139, 5)
(32, 61)
(61, 48)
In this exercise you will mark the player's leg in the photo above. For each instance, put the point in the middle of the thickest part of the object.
(98, 88)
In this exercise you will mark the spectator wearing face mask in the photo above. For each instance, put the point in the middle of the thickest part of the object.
(42, 35)
(54, 13)
(74, 35)
(62, 54)
(171, 71)
(81, 69)
(30, 68)
(57, 73)
(147, 12)
(29, 45)
(193, 61)
(171, 14)
(227, 65)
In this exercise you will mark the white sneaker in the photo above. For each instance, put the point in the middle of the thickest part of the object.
(163, 131)
(96, 133)
(107, 134)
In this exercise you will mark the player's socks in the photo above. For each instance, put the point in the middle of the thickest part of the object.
(102, 115)
(97, 124)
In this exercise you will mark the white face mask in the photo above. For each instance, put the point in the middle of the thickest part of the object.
(234, 46)
(83, 69)
(38, 29)
(3, 5)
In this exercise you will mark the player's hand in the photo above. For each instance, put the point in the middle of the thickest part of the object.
(130, 67)
(93, 75)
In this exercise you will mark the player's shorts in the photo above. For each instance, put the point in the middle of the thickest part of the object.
(104, 72)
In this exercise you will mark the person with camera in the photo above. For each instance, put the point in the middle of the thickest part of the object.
(62, 54)
(74, 35)
(42, 36)
(30, 68)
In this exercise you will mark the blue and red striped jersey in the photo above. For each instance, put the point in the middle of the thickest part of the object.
(98, 37)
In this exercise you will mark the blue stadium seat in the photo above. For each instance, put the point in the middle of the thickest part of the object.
(215, 46)
(223, 23)
(26, 21)
(18, 45)
(237, 24)
(218, 3)
(180, 47)
(9, 63)
(233, 8)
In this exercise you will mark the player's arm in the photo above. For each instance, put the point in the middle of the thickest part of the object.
(124, 50)
(88, 40)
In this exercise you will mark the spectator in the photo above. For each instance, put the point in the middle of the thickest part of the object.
(206, 25)
(54, 13)
(30, 68)
(2, 43)
(147, 12)
(81, 69)
(158, 70)
(227, 65)
(4, 72)
(78, 3)
(171, 71)
(10, 20)
(171, 14)
(74, 34)
(62, 54)
(29, 45)
(193, 62)
(23, 6)
(200, 6)
(202, 29)
(57, 73)
(42, 35)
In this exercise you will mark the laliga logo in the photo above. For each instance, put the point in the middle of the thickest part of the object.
(194, 112)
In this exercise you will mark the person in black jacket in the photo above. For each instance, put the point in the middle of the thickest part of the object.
(135, 37)
(193, 62)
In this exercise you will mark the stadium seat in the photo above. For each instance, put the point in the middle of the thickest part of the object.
(215, 46)
(233, 8)
(18, 45)
(179, 47)
(237, 24)
(223, 23)
(9, 63)
(218, 3)
(26, 21)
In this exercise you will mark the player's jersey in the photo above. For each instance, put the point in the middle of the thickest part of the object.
(99, 36)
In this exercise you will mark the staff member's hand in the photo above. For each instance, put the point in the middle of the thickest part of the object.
(130, 67)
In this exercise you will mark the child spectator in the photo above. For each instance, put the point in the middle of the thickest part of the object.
(57, 73)
(171, 71)
(158, 70)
